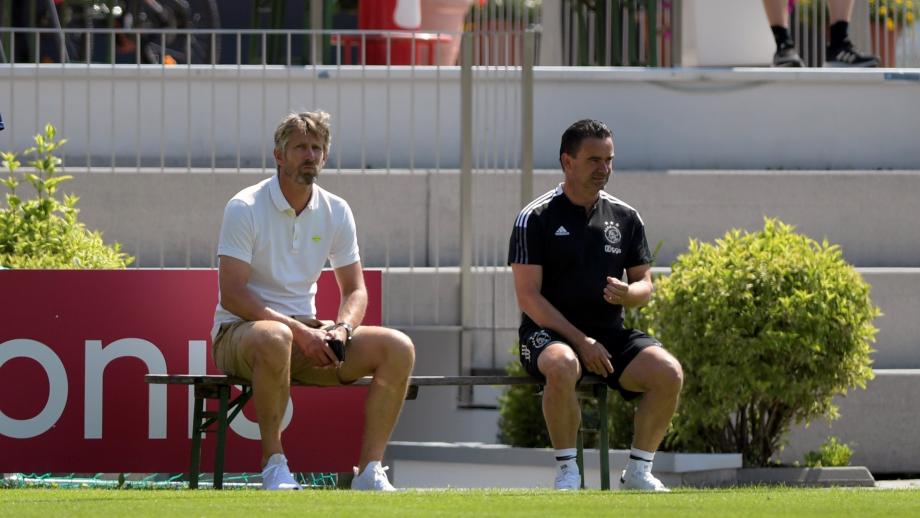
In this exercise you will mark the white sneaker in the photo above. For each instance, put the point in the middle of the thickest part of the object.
(641, 480)
(568, 480)
(374, 478)
(276, 475)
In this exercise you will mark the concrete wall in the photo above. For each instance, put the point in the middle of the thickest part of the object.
(412, 218)
(410, 302)
(404, 117)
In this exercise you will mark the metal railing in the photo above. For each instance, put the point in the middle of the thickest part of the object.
(618, 32)
(392, 124)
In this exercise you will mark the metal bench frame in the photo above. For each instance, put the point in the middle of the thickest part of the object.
(218, 387)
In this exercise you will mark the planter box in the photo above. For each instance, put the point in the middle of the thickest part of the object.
(851, 476)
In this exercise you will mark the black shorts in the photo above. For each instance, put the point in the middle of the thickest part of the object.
(622, 343)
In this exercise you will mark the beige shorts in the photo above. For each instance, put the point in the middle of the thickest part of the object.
(229, 358)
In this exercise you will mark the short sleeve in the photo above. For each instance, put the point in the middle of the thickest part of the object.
(638, 253)
(344, 249)
(526, 245)
(237, 233)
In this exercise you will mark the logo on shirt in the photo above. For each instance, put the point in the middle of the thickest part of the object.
(316, 239)
(612, 232)
(540, 338)
(613, 236)
(561, 231)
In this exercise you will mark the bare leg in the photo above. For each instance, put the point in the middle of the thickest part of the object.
(389, 356)
(658, 375)
(777, 12)
(267, 348)
(559, 365)
(840, 10)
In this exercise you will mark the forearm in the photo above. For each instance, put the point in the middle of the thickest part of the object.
(547, 316)
(640, 292)
(352, 307)
(248, 306)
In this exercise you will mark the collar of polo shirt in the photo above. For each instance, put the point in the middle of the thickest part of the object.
(281, 202)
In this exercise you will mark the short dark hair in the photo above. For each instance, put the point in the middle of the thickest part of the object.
(585, 128)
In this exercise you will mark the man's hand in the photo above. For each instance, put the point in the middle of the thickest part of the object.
(594, 357)
(337, 334)
(312, 343)
(616, 291)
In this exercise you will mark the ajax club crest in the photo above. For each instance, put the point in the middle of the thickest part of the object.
(612, 232)
(613, 236)
(540, 338)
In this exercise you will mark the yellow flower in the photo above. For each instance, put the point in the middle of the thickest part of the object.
(890, 25)
(882, 10)
(910, 17)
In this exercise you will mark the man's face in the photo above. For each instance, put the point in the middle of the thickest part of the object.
(303, 158)
(592, 164)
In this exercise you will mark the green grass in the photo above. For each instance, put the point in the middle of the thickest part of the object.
(468, 503)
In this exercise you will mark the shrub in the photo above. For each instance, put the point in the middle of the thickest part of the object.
(832, 453)
(43, 232)
(769, 327)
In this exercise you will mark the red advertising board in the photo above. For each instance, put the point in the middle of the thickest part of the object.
(74, 349)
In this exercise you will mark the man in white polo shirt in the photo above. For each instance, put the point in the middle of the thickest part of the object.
(275, 239)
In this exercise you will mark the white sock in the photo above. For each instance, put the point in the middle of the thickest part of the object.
(566, 460)
(639, 460)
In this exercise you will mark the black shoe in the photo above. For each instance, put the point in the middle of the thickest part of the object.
(845, 55)
(787, 57)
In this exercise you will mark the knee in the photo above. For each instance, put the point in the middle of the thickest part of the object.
(670, 375)
(559, 370)
(400, 349)
(270, 344)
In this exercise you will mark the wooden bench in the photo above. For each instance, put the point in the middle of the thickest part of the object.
(218, 387)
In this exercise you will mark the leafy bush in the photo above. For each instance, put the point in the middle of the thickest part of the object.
(43, 232)
(832, 453)
(769, 327)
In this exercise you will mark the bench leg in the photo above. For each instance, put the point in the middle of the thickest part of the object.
(197, 421)
(222, 424)
(600, 392)
(580, 455)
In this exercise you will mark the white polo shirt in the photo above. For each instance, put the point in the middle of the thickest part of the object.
(287, 252)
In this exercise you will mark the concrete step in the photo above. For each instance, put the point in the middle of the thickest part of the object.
(411, 218)
(426, 297)
(661, 117)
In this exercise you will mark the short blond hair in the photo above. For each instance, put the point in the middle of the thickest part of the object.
(309, 123)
